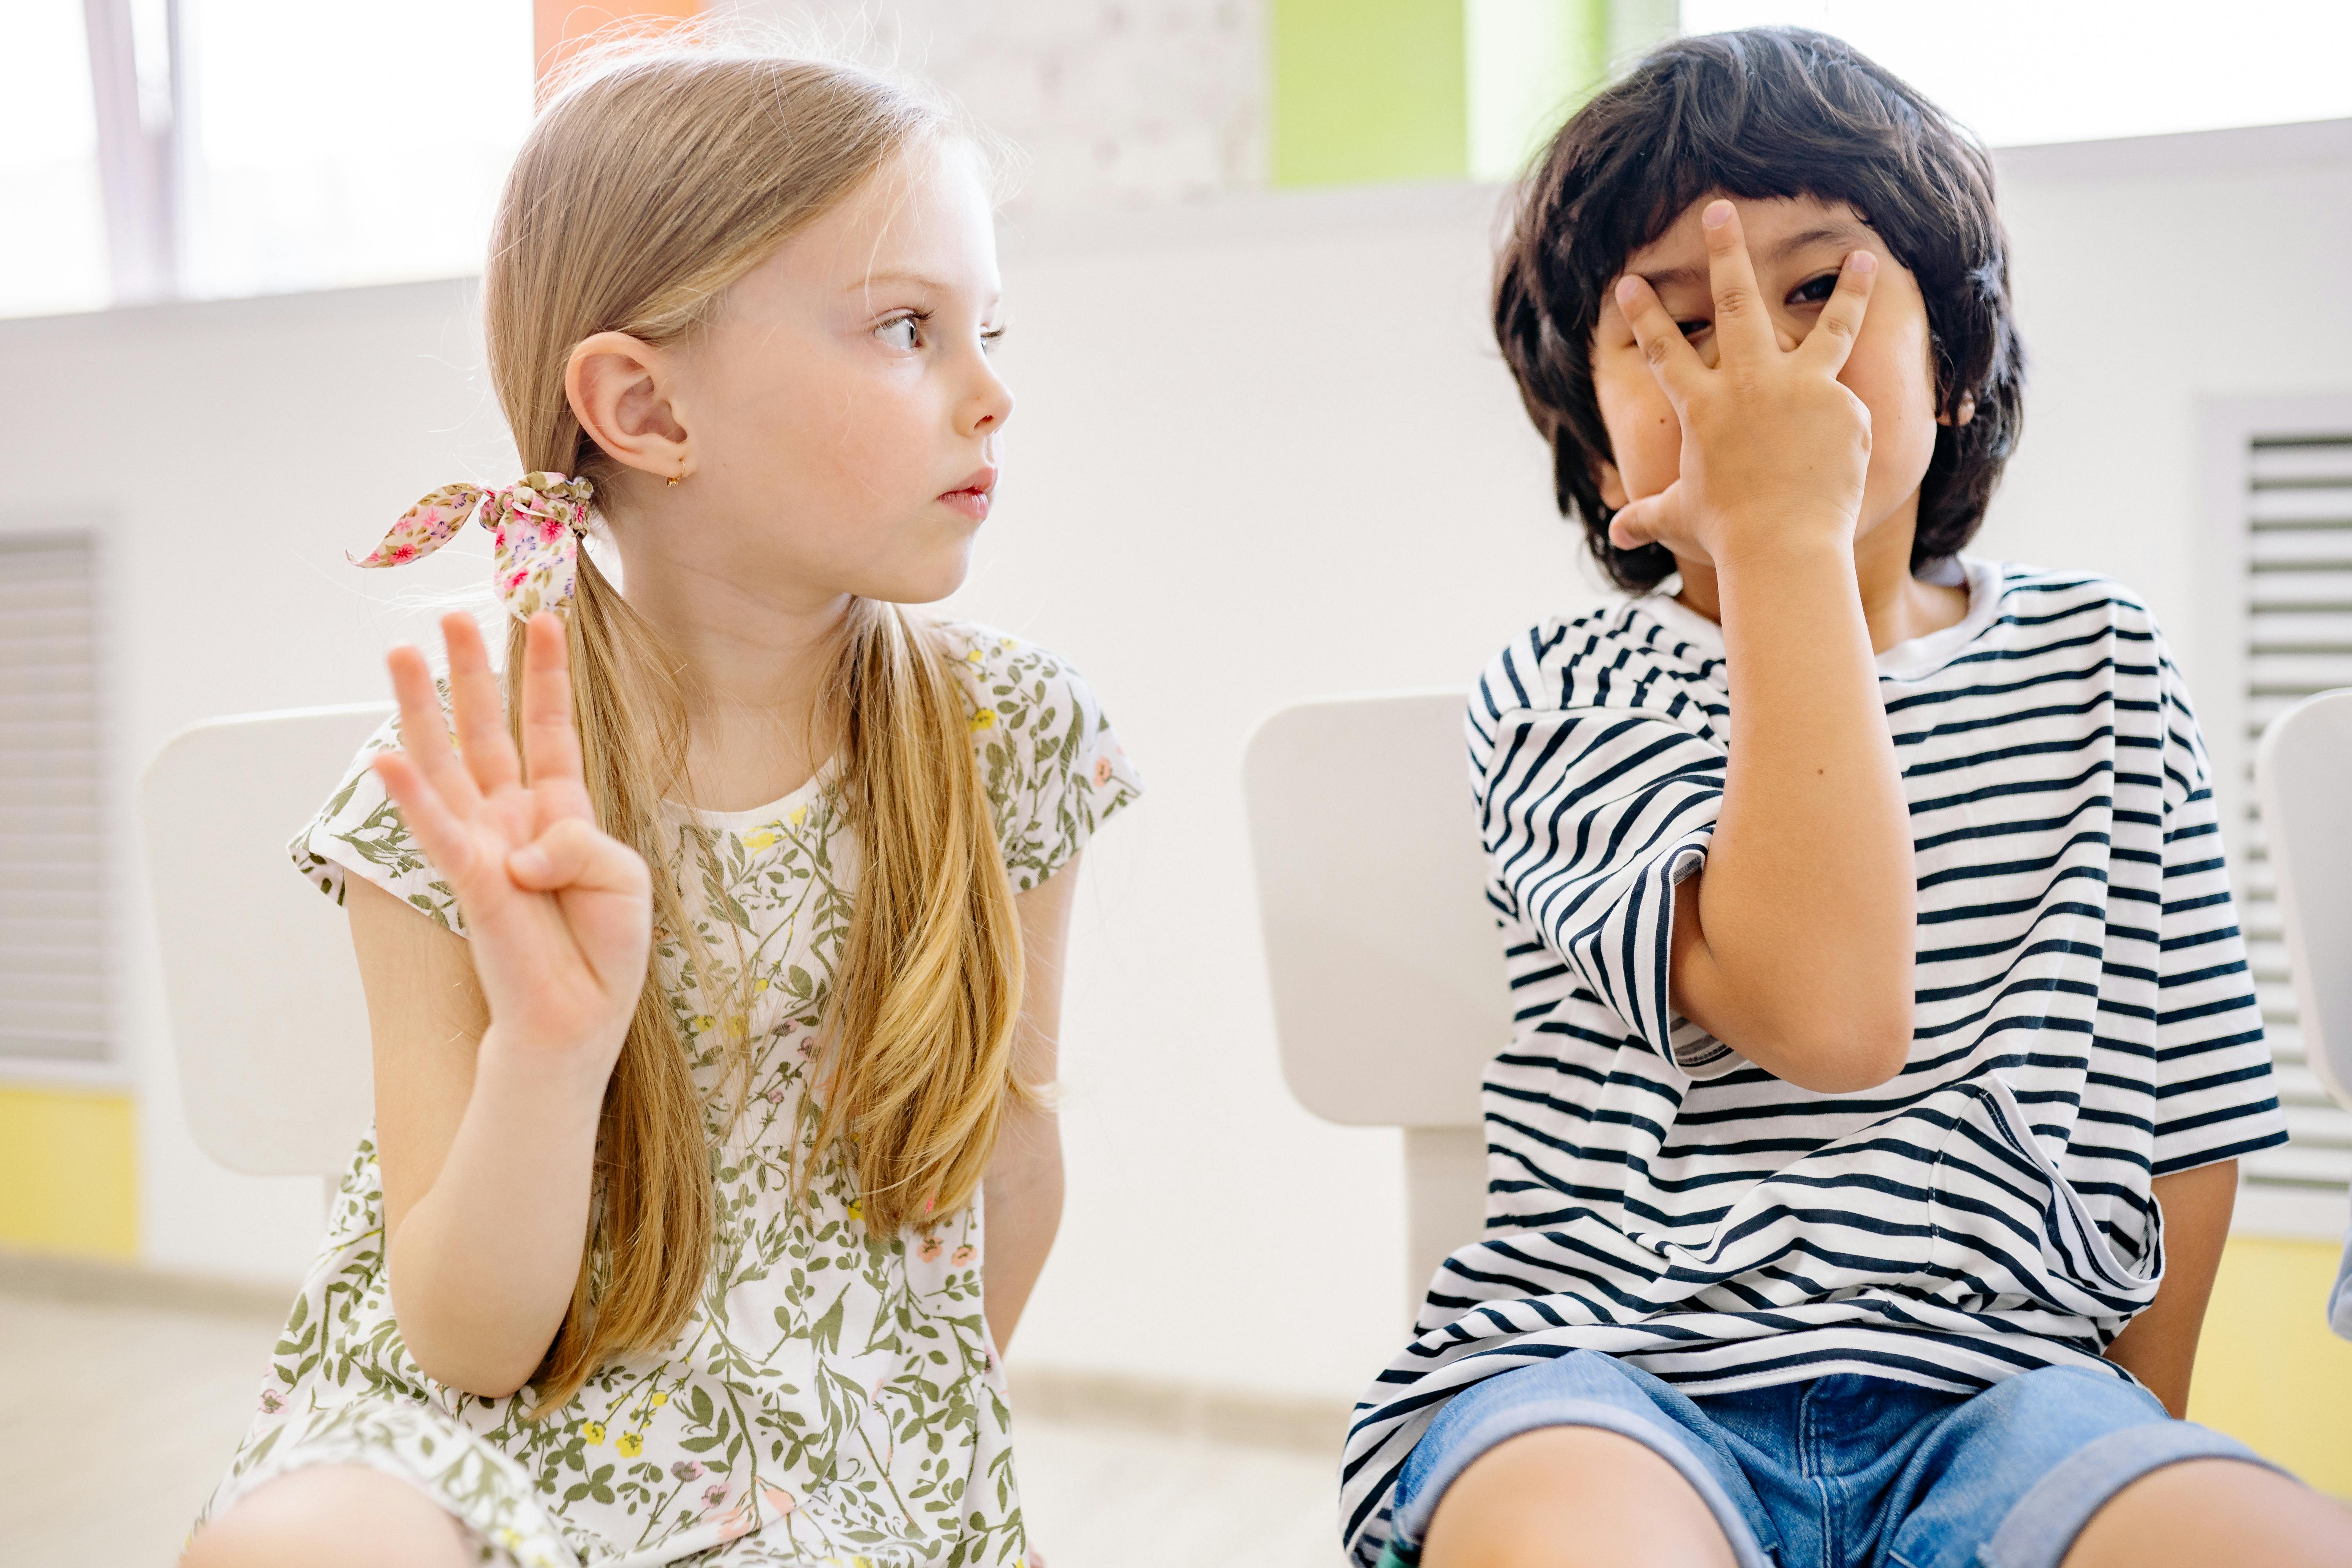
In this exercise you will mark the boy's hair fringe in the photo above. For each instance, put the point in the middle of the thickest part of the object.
(1763, 113)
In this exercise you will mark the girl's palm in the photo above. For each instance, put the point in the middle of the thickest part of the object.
(559, 912)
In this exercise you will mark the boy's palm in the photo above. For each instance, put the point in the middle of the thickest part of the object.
(560, 913)
(1775, 449)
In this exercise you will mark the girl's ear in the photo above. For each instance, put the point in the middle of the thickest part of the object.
(1612, 485)
(622, 390)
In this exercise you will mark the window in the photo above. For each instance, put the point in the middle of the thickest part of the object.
(2284, 492)
(2020, 72)
(53, 868)
(49, 203)
(327, 145)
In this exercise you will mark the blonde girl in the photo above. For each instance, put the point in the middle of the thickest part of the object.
(713, 970)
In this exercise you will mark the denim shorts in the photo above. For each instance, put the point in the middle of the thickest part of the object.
(1844, 1470)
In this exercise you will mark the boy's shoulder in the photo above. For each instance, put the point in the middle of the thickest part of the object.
(1628, 650)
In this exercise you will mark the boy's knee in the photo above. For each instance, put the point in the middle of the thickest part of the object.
(346, 1514)
(1570, 1497)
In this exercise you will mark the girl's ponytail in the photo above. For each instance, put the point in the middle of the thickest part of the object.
(928, 987)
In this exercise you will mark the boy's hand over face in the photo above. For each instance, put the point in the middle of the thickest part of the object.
(1774, 448)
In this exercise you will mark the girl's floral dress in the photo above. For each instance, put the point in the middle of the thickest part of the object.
(835, 1398)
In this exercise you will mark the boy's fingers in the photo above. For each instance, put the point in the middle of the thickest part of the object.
(1648, 520)
(423, 733)
(1831, 339)
(1742, 325)
(480, 713)
(1671, 358)
(550, 745)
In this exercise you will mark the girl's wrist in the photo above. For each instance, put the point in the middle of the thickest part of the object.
(559, 1078)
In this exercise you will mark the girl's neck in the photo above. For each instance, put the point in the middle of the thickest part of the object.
(1898, 605)
(755, 675)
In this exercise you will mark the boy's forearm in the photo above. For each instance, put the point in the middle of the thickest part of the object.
(1807, 909)
(2160, 1346)
(482, 1268)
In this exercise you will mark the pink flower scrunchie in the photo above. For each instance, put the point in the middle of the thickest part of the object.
(535, 523)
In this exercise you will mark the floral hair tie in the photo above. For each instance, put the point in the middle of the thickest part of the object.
(535, 523)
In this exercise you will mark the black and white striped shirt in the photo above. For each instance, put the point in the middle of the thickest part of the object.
(2085, 1021)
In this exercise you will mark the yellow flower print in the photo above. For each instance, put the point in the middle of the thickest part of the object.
(761, 838)
(704, 1023)
(759, 985)
(1005, 644)
(631, 1445)
(508, 1538)
(660, 1399)
(800, 815)
(857, 1211)
(984, 720)
(593, 1431)
(972, 657)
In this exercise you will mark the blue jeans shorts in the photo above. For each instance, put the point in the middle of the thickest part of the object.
(1844, 1470)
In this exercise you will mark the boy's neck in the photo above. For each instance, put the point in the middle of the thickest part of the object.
(1898, 605)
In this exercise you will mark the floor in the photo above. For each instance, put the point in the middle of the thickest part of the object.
(115, 1419)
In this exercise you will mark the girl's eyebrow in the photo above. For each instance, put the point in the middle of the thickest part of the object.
(920, 280)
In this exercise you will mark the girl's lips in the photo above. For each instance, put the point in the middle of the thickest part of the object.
(972, 504)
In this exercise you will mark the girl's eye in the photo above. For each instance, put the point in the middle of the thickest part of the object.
(1815, 291)
(990, 338)
(904, 333)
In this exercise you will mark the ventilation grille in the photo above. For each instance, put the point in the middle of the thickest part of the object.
(2298, 642)
(52, 871)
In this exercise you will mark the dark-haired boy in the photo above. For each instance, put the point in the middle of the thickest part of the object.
(1864, 1153)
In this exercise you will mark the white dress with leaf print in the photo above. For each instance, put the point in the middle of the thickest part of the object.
(835, 1398)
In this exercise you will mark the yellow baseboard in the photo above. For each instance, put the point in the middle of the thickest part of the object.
(2268, 1371)
(68, 1172)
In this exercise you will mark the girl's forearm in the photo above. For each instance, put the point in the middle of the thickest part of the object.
(1023, 1204)
(482, 1268)
(1807, 907)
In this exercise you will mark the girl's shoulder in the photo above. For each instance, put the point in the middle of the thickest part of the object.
(359, 832)
(1052, 764)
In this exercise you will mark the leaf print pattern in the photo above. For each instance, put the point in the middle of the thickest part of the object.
(835, 1398)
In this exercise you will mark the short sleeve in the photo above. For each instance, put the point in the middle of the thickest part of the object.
(2215, 1099)
(1590, 815)
(359, 832)
(1052, 764)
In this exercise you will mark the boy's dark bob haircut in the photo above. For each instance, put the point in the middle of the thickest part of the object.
(1769, 112)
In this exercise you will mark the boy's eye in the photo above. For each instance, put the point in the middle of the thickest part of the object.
(904, 333)
(1693, 328)
(1815, 291)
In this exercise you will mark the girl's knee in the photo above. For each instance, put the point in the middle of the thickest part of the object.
(347, 1514)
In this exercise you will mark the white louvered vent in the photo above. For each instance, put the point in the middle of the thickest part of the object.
(53, 1002)
(2298, 501)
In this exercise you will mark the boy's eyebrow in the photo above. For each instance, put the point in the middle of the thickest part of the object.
(1849, 235)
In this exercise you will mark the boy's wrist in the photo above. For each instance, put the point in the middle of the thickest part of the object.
(1788, 551)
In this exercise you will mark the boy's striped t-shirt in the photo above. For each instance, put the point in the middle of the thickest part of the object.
(2085, 1021)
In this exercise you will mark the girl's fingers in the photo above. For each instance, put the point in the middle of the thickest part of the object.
(1671, 358)
(1831, 339)
(480, 713)
(1743, 328)
(438, 830)
(550, 745)
(572, 855)
(423, 733)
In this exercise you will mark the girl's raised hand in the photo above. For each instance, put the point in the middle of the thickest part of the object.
(560, 914)
(1774, 448)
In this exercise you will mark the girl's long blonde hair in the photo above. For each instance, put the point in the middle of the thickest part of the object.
(644, 190)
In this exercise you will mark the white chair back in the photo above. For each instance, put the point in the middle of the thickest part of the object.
(1389, 990)
(262, 991)
(2303, 778)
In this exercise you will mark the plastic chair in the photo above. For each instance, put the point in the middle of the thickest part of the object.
(2303, 779)
(262, 992)
(1390, 995)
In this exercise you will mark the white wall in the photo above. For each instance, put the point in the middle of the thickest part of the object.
(1264, 449)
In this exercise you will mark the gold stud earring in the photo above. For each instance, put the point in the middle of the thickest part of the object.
(675, 478)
